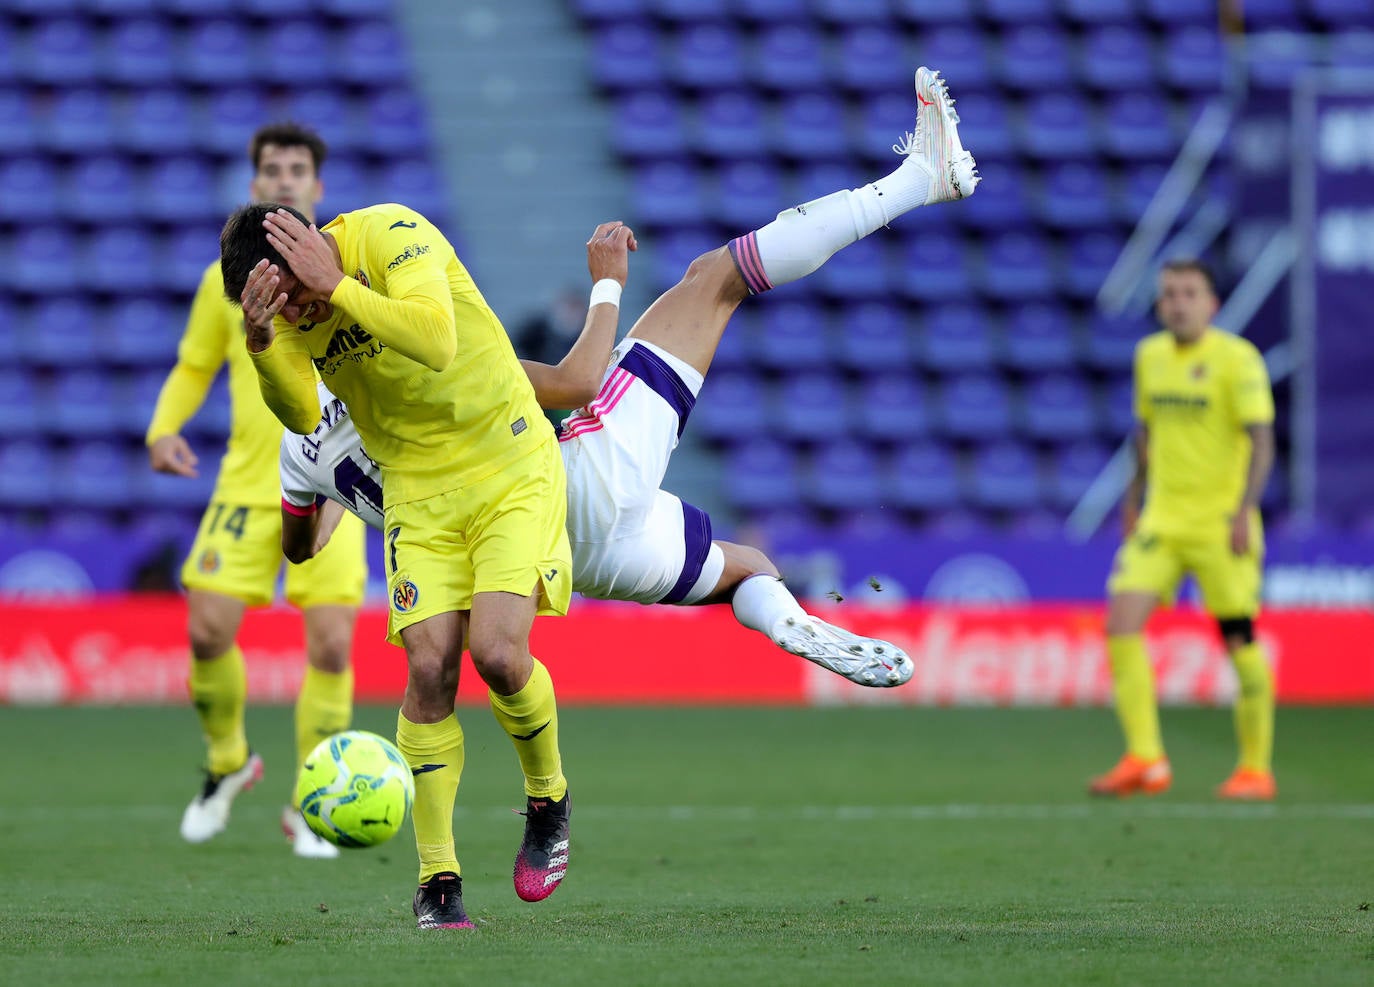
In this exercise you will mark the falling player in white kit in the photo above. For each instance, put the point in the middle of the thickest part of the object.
(632, 540)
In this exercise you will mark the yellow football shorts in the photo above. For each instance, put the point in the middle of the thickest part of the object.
(237, 552)
(1149, 562)
(502, 534)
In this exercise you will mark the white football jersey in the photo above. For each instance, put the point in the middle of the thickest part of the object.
(331, 461)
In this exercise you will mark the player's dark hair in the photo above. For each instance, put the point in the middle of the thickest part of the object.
(286, 133)
(243, 242)
(1181, 264)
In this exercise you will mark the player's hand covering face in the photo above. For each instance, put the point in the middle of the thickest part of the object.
(307, 254)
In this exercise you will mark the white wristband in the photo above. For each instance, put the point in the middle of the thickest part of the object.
(606, 291)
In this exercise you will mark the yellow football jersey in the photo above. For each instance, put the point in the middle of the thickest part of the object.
(213, 337)
(1197, 401)
(427, 371)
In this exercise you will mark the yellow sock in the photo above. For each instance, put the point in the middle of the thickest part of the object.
(218, 687)
(531, 718)
(434, 752)
(324, 707)
(1254, 707)
(1133, 682)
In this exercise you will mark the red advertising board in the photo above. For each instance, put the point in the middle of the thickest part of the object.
(133, 650)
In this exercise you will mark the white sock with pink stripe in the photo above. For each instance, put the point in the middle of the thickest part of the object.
(802, 239)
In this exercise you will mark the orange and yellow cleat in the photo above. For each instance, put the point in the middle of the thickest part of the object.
(1249, 785)
(1134, 774)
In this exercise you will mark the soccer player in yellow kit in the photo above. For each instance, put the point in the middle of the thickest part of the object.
(1204, 447)
(473, 484)
(237, 556)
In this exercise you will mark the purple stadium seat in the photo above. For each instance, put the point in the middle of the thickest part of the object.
(985, 126)
(871, 57)
(121, 259)
(1033, 56)
(925, 12)
(79, 121)
(99, 189)
(1116, 58)
(355, 9)
(811, 181)
(811, 127)
(793, 336)
(43, 259)
(843, 476)
(1271, 14)
(231, 117)
(1091, 257)
(333, 114)
(189, 249)
(706, 55)
(735, 351)
(394, 122)
(648, 124)
(96, 474)
(1342, 13)
(690, 10)
(80, 402)
(1352, 48)
(59, 332)
(1059, 408)
(1057, 126)
(892, 408)
(1018, 266)
(415, 184)
(346, 186)
(1073, 195)
(1040, 337)
(18, 125)
(218, 52)
(760, 474)
(811, 407)
(1284, 55)
(1004, 477)
(1111, 341)
(1192, 58)
(119, 8)
(59, 52)
(862, 270)
(922, 476)
(729, 124)
(667, 193)
(268, 9)
(1175, 12)
(140, 331)
(1119, 409)
(138, 52)
(27, 474)
(845, 13)
(731, 408)
(280, 43)
(1015, 11)
(368, 51)
(882, 121)
(873, 337)
(1100, 11)
(1133, 127)
(956, 339)
(961, 55)
(627, 56)
(934, 267)
(789, 56)
(1073, 469)
(975, 406)
(18, 403)
(611, 10)
(1142, 181)
(1002, 202)
(747, 194)
(771, 11)
(156, 120)
(676, 250)
(30, 186)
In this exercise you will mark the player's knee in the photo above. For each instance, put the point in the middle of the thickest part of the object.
(499, 659)
(711, 272)
(1237, 631)
(211, 633)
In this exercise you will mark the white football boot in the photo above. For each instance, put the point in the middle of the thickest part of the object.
(208, 813)
(305, 842)
(863, 660)
(934, 145)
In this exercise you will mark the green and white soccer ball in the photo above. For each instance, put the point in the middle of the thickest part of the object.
(355, 789)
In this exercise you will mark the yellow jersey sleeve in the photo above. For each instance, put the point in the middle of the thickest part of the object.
(415, 317)
(1252, 398)
(286, 379)
(200, 354)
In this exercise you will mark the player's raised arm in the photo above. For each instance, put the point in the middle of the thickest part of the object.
(286, 376)
(574, 382)
(414, 316)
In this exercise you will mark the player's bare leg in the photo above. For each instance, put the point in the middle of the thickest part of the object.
(1143, 768)
(324, 707)
(218, 687)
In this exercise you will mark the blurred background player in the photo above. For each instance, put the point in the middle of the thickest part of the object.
(236, 557)
(476, 500)
(1204, 448)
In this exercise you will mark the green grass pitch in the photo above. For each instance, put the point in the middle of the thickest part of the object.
(720, 846)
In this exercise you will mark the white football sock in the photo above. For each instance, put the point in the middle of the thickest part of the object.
(761, 601)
